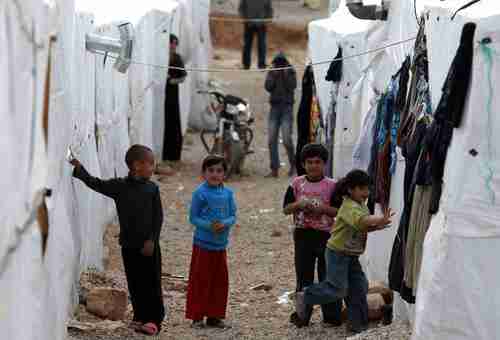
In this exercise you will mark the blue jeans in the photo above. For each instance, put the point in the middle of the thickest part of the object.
(281, 116)
(310, 248)
(344, 280)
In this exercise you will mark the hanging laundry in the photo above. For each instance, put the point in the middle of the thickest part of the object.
(303, 117)
(411, 137)
(450, 109)
(316, 120)
(334, 75)
(361, 152)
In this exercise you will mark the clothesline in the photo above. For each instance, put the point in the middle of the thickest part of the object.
(238, 70)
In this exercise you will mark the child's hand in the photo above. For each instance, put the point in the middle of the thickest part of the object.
(75, 162)
(148, 248)
(217, 227)
(317, 208)
(386, 219)
(303, 204)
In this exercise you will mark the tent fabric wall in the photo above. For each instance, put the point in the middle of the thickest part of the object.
(201, 58)
(147, 84)
(183, 28)
(192, 27)
(461, 247)
(75, 218)
(22, 70)
(90, 108)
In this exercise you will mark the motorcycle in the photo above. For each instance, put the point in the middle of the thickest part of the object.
(232, 136)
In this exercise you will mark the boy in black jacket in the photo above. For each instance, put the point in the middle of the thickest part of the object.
(140, 214)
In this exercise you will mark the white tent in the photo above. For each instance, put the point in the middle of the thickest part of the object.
(191, 26)
(147, 83)
(23, 42)
(457, 296)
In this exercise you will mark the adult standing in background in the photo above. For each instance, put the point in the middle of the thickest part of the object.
(281, 85)
(172, 140)
(258, 10)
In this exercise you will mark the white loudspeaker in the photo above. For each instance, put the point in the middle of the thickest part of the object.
(122, 47)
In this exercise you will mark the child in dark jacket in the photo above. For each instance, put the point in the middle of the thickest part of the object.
(213, 213)
(140, 214)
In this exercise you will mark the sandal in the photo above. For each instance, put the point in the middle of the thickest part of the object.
(149, 329)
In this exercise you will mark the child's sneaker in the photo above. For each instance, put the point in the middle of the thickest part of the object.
(217, 323)
(197, 324)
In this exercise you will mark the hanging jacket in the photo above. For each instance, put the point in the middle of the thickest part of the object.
(450, 109)
(304, 117)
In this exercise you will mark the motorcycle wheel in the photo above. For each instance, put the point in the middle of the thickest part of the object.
(234, 155)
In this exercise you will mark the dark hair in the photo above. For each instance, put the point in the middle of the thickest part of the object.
(136, 152)
(355, 178)
(314, 150)
(280, 60)
(173, 38)
(211, 160)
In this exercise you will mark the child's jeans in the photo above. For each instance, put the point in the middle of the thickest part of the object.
(344, 280)
(310, 246)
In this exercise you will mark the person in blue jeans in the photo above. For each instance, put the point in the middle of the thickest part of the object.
(345, 278)
(281, 85)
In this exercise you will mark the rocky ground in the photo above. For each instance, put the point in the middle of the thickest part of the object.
(261, 250)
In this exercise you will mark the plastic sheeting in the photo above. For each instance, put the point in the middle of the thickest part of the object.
(457, 295)
(200, 58)
(93, 110)
(23, 26)
(191, 26)
(147, 84)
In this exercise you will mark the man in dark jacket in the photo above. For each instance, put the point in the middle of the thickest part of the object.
(257, 11)
(281, 86)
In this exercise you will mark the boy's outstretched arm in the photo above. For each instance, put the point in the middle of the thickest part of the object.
(109, 188)
(195, 212)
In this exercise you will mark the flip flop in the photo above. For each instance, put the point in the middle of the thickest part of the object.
(149, 329)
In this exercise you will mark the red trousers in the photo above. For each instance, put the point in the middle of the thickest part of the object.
(208, 284)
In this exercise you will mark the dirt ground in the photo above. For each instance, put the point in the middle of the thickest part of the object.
(261, 248)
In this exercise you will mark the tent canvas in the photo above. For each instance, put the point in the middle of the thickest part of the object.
(461, 245)
(147, 83)
(24, 171)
